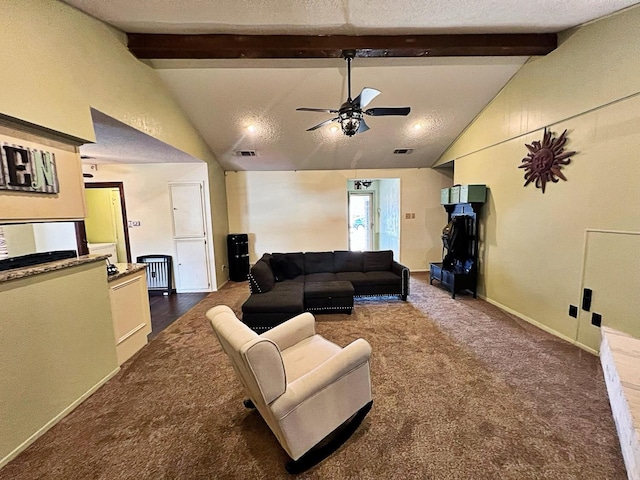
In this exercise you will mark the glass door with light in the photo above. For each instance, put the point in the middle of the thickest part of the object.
(360, 221)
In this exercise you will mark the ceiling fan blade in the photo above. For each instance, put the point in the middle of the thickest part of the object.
(365, 97)
(363, 126)
(325, 110)
(322, 124)
(380, 111)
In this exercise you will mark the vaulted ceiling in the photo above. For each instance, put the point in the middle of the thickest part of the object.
(240, 68)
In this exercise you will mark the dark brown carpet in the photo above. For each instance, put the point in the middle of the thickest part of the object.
(461, 390)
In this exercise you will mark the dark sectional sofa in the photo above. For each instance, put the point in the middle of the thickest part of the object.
(283, 285)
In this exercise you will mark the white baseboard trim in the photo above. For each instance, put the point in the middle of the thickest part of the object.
(539, 325)
(41, 431)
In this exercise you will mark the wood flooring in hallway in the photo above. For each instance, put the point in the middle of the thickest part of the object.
(166, 309)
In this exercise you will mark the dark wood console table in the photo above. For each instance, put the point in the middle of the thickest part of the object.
(453, 281)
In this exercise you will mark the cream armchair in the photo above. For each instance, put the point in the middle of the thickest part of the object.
(305, 387)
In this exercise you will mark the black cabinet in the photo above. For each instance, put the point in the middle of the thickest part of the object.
(458, 270)
(238, 253)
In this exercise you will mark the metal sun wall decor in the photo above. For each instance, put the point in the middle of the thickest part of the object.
(545, 159)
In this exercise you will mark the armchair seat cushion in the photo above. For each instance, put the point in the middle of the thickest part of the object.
(306, 355)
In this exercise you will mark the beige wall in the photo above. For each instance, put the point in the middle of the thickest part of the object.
(65, 62)
(533, 243)
(146, 190)
(220, 218)
(307, 210)
(57, 346)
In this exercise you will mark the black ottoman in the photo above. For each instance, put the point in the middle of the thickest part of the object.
(328, 297)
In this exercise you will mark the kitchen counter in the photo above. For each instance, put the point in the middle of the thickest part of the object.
(16, 273)
(126, 269)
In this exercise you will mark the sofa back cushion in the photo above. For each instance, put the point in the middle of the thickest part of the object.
(287, 266)
(318, 262)
(377, 261)
(347, 261)
(261, 278)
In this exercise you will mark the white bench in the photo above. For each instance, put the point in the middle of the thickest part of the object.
(620, 358)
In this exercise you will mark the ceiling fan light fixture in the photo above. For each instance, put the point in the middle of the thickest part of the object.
(350, 122)
(350, 114)
(350, 126)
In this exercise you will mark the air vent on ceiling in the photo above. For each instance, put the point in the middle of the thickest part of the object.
(246, 153)
(402, 151)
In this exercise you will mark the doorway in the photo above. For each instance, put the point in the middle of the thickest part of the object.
(374, 215)
(106, 222)
(360, 221)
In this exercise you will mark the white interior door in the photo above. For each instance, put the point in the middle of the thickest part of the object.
(611, 273)
(187, 210)
(192, 267)
(189, 232)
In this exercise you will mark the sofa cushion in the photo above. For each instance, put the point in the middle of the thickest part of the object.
(320, 277)
(286, 266)
(347, 261)
(261, 277)
(286, 296)
(362, 279)
(318, 262)
(356, 278)
(377, 261)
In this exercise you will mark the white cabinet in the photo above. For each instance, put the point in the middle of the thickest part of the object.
(187, 209)
(130, 312)
(190, 237)
(192, 266)
(104, 249)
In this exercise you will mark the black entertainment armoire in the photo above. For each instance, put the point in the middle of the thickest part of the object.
(238, 252)
(458, 270)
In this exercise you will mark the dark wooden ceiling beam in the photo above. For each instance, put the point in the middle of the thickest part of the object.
(172, 46)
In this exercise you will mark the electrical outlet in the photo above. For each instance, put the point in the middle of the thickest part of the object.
(596, 319)
(573, 311)
(586, 299)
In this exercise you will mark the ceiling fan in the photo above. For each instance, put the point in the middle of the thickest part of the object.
(351, 113)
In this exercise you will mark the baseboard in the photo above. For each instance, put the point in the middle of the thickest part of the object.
(539, 325)
(13, 454)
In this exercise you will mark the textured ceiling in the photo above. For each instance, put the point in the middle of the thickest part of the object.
(347, 16)
(222, 97)
(117, 142)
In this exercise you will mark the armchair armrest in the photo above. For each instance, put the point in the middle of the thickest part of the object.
(292, 331)
(354, 355)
